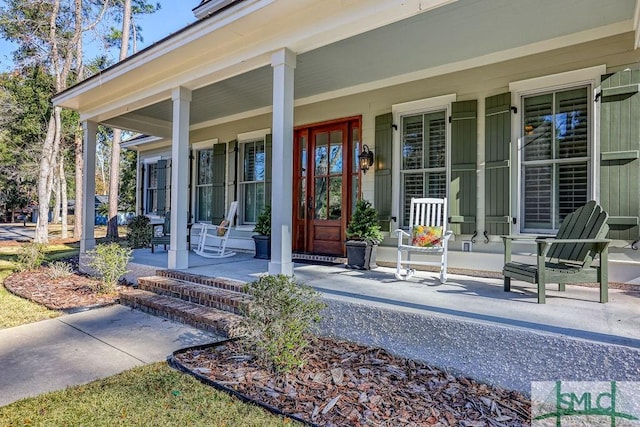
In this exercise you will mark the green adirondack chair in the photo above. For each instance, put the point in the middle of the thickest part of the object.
(567, 258)
(162, 237)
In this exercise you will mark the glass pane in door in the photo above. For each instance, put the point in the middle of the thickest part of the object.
(321, 198)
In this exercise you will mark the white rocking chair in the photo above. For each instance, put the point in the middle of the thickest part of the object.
(428, 235)
(213, 238)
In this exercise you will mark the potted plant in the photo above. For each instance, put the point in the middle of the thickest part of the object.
(364, 235)
(263, 238)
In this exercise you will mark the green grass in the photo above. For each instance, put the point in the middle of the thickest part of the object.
(18, 311)
(153, 395)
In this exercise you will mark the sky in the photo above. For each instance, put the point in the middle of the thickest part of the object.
(173, 15)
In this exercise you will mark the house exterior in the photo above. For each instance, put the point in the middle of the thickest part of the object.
(517, 111)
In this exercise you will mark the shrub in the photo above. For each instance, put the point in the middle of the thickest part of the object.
(31, 256)
(279, 320)
(60, 269)
(139, 232)
(364, 224)
(110, 263)
(263, 224)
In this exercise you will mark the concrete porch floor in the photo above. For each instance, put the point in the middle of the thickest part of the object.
(468, 325)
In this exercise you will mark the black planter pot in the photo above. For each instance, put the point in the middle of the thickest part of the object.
(361, 255)
(263, 246)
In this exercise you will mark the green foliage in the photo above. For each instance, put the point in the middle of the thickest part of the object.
(128, 184)
(364, 224)
(60, 269)
(263, 225)
(31, 256)
(279, 320)
(110, 263)
(103, 209)
(139, 232)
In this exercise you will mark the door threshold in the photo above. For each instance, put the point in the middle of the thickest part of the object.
(328, 259)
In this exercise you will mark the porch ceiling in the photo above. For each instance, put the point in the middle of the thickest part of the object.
(442, 40)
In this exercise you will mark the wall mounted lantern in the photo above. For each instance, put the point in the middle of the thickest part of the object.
(365, 159)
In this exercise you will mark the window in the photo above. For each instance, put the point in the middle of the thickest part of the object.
(423, 156)
(204, 186)
(157, 186)
(254, 186)
(555, 156)
(152, 188)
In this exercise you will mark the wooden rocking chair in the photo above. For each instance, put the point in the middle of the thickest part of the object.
(428, 235)
(213, 238)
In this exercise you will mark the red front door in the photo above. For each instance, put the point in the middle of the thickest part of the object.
(325, 186)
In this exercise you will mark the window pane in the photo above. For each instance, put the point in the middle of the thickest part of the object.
(321, 155)
(412, 142)
(335, 153)
(437, 185)
(335, 198)
(572, 128)
(538, 197)
(321, 199)
(153, 175)
(204, 203)
(250, 208)
(152, 201)
(572, 189)
(413, 184)
(254, 161)
(538, 127)
(205, 171)
(435, 144)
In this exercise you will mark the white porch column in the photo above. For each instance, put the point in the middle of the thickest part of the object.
(178, 253)
(88, 240)
(283, 63)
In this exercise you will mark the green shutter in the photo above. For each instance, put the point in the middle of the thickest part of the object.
(497, 164)
(619, 152)
(464, 149)
(161, 169)
(232, 167)
(218, 165)
(268, 164)
(382, 180)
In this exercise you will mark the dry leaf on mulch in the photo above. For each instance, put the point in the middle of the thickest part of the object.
(63, 293)
(349, 384)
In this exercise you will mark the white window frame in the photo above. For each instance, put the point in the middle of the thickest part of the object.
(145, 180)
(195, 148)
(422, 106)
(545, 84)
(243, 140)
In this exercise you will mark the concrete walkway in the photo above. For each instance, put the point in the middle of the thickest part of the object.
(82, 347)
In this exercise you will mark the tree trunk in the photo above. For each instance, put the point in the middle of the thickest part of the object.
(63, 199)
(44, 192)
(114, 184)
(114, 181)
(56, 196)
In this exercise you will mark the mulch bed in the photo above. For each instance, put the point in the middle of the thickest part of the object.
(69, 293)
(349, 384)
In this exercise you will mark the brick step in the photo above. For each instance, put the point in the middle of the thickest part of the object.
(196, 315)
(206, 295)
(216, 282)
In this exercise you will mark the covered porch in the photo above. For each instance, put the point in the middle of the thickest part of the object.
(468, 325)
(274, 66)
